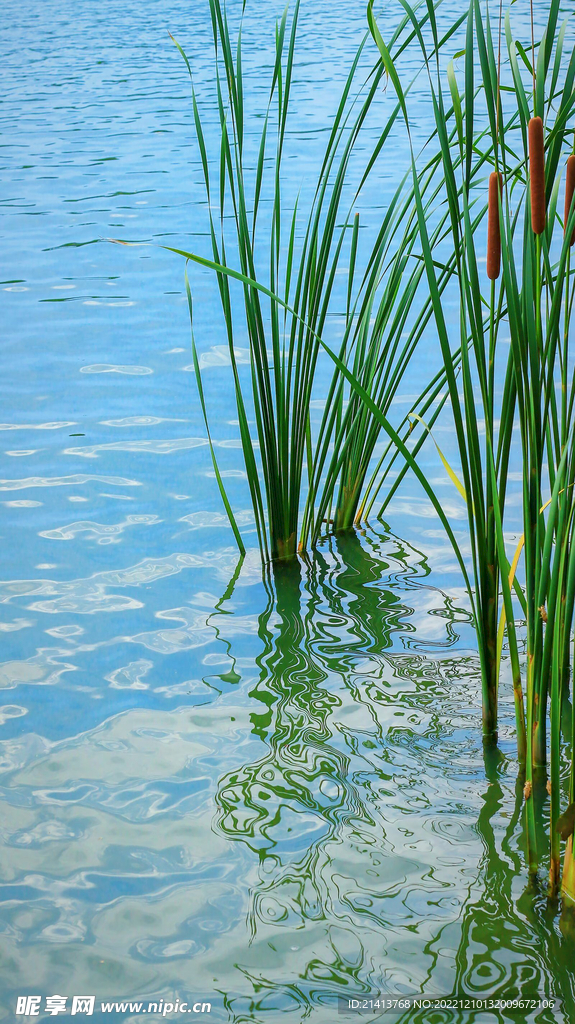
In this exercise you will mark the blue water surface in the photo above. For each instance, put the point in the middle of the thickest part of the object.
(261, 792)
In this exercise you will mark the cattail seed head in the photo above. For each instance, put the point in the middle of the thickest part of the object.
(537, 174)
(493, 227)
(569, 191)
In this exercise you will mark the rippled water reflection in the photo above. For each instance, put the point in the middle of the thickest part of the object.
(262, 793)
(271, 798)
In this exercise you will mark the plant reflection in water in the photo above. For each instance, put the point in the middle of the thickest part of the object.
(375, 873)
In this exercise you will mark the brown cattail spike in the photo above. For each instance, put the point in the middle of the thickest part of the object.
(569, 191)
(493, 227)
(537, 174)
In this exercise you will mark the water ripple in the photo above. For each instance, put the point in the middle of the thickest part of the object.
(155, 447)
(134, 371)
(66, 481)
(102, 533)
(38, 426)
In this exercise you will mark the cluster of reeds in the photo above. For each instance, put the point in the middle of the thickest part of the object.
(301, 477)
(513, 400)
(488, 182)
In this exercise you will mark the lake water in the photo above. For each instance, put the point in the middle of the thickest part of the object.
(261, 793)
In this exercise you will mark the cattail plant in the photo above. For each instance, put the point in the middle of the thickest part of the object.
(536, 395)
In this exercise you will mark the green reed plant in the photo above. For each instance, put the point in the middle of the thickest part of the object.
(517, 401)
(380, 351)
(477, 486)
(302, 255)
(498, 164)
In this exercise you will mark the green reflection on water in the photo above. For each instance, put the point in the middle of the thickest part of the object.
(374, 872)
